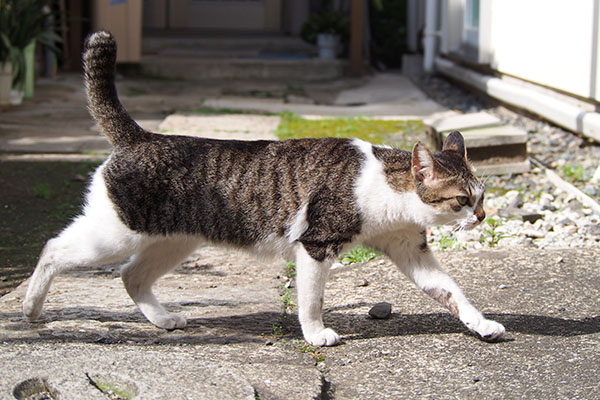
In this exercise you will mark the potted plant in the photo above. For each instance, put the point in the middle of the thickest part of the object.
(23, 25)
(328, 30)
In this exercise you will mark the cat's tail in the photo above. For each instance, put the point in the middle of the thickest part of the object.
(99, 60)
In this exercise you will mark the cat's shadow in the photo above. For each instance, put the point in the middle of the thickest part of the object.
(255, 327)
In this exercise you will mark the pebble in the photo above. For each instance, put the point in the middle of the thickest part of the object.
(381, 310)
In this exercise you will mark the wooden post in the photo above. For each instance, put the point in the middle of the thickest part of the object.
(356, 38)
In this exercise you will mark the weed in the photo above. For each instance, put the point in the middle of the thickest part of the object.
(359, 254)
(447, 242)
(278, 330)
(315, 351)
(290, 269)
(42, 191)
(573, 173)
(287, 300)
(491, 235)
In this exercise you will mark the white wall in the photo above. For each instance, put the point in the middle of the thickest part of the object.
(550, 42)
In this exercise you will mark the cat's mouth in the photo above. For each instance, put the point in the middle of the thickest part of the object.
(468, 223)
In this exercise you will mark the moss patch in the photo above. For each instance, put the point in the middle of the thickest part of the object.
(397, 133)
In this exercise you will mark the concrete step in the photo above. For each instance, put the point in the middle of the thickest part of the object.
(201, 69)
(237, 46)
(492, 147)
(208, 56)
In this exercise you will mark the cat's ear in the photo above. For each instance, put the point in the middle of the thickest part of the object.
(423, 164)
(455, 142)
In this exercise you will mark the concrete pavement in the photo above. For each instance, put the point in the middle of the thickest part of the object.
(240, 344)
(232, 348)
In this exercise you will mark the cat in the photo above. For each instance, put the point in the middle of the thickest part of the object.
(157, 197)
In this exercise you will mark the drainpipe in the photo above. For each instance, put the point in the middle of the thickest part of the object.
(431, 33)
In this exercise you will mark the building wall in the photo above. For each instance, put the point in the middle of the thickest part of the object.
(550, 42)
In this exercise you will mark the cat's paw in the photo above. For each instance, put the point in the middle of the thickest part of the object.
(488, 329)
(170, 321)
(31, 310)
(327, 337)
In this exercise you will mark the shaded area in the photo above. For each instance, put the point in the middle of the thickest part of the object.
(38, 200)
(117, 327)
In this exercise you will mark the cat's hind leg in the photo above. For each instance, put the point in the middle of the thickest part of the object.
(311, 276)
(145, 267)
(85, 242)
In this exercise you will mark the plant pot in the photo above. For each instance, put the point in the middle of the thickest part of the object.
(16, 96)
(5, 82)
(328, 44)
(29, 51)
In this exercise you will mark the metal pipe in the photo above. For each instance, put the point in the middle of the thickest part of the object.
(431, 33)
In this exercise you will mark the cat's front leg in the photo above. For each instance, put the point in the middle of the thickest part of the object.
(419, 264)
(311, 276)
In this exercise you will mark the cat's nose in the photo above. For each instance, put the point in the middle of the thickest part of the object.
(481, 216)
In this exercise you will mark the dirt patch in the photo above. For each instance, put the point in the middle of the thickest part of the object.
(39, 198)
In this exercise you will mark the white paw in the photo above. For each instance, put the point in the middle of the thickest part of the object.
(487, 329)
(169, 321)
(327, 337)
(31, 310)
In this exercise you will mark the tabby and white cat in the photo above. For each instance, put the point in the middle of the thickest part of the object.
(157, 197)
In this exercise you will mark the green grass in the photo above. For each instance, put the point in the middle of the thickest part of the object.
(448, 242)
(359, 254)
(573, 173)
(42, 191)
(287, 298)
(290, 269)
(492, 236)
(315, 351)
(376, 131)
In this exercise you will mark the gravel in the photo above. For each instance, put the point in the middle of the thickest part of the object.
(527, 209)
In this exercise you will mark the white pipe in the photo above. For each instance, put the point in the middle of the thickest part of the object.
(555, 110)
(431, 33)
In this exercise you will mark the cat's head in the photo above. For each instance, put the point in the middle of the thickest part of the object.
(446, 182)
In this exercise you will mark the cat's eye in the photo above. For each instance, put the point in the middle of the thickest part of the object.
(462, 200)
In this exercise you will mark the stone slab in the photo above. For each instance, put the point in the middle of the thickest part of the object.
(517, 167)
(228, 349)
(228, 126)
(462, 121)
(491, 136)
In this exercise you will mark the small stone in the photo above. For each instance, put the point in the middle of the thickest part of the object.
(381, 310)
(502, 286)
(516, 201)
(475, 380)
(561, 309)
(575, 205)
(566, 221)
(532, 233)
(591, 229)
(269, 343)
(531, 217)
(362, 283)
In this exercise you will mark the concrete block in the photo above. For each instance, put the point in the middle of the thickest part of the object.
(493, 148)
(462, 121)
(491, 136)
